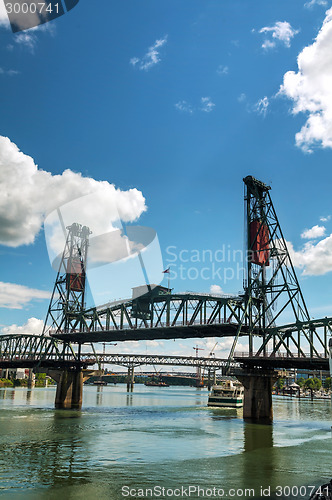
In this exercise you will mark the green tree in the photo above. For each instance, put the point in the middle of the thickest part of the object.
(318, 383)
(310, 384)
(300, 381)
(313, 384)
(327, 383)
(280, 384)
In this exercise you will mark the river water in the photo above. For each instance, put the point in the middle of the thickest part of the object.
(133, 445)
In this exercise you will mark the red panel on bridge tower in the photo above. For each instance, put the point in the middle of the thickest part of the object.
(259, 237)
(75, 275)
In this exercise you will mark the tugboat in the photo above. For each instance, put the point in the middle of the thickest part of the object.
(229, 394)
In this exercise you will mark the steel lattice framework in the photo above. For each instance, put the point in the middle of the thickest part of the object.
(271, 289)
(67, 301)
(44, 352)
(157, 315)
(37, 351)
(149, 359)
(271, 280)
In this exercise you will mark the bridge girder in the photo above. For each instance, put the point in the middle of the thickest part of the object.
(162, 317)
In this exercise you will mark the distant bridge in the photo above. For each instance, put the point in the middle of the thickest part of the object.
(210, 363)
(31, 351)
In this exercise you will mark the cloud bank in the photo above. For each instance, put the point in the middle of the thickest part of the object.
(313, 233)
(33, 326)
(310, 89)
(29, 193)
(13, 296)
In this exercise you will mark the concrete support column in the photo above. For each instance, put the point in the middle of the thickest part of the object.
(130, 379)
(31, 379)
(258, 395)
(215, 378)
(69, 390)
(209, 379)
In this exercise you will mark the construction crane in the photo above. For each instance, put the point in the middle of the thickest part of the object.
(213, 348)
(209, 371)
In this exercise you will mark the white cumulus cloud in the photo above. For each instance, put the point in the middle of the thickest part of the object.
(9, 72)
(215, 289)
(4, 21)
(313, 233)
(281, 31)
(310, 89)
(261, 106)
(151, 58)
(313, 258)
(184, 106)
(29, 193)
(222, 70)
(207, 105)
(13, 296)
(310, 4)
(33, 326)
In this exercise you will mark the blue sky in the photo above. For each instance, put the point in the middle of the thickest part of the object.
(175, 102)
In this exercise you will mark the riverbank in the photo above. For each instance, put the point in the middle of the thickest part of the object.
(5, 382)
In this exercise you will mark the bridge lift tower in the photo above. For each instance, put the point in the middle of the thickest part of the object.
(270, 275)
(271, 287)
(65, 312)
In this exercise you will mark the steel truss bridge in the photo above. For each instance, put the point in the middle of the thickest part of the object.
(211, 363)
(43, 352)
(159, 315)
(271, 288)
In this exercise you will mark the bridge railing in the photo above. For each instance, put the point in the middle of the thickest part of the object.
(161, 324)
(277, 355)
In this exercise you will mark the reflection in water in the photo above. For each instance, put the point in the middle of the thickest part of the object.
(66, 414)
(225, 413)
(99, 400)
(29, 395)
(129, 400)
(257, 436)
(259, 454)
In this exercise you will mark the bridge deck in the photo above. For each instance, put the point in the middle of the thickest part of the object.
(156, 333)
(287, 362)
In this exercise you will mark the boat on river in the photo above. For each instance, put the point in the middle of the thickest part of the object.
(228, 394)
(99, 382)
(151, 383)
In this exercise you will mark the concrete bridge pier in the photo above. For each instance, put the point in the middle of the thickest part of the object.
(69, 391)
(31, 379)
(130, 379)
(209, 379)
(257, 405)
